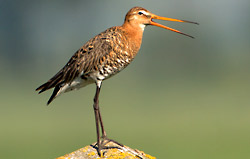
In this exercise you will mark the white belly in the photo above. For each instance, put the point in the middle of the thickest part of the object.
(76, 84)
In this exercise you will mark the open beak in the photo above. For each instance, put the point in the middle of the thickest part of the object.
(169, 19)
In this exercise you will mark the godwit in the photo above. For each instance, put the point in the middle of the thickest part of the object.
(103, 56)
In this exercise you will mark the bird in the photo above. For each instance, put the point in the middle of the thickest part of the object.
(102, 57)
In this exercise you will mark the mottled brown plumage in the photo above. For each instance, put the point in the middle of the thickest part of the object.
(108, 53)
(103, 56)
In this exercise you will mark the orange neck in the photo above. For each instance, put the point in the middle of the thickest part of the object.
(134, 34)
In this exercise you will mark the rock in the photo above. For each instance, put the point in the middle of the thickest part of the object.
(113, 151)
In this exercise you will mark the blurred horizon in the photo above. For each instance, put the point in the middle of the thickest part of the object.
(180, 97)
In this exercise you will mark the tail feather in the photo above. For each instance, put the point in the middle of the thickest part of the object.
(56, 82)
(54, 94)
(53, 82)
(41, 87)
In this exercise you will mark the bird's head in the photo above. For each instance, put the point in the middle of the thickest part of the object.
(141, 17)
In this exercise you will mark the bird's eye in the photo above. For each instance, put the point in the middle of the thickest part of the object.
(140, 13)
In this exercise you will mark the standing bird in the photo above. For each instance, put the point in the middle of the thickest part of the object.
(102, 57)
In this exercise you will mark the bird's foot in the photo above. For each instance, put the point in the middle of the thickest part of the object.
(106, 143)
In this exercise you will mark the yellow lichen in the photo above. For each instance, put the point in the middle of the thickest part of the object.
(91, 153)
(111, 153)
(85, 149)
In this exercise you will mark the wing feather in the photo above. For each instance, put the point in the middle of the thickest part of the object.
(85, 60)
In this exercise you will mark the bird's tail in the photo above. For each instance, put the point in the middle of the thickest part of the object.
(55, 82)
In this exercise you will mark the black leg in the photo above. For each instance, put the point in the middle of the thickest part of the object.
(97, 116)
(101, 123)
(101, 140)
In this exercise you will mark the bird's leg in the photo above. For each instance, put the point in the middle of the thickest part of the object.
(98, 113)
(96, 100)
(98, 119)
(96, 110)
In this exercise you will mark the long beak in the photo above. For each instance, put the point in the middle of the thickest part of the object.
(170, 19)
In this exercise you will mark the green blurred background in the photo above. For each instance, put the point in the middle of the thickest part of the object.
(180, 98)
